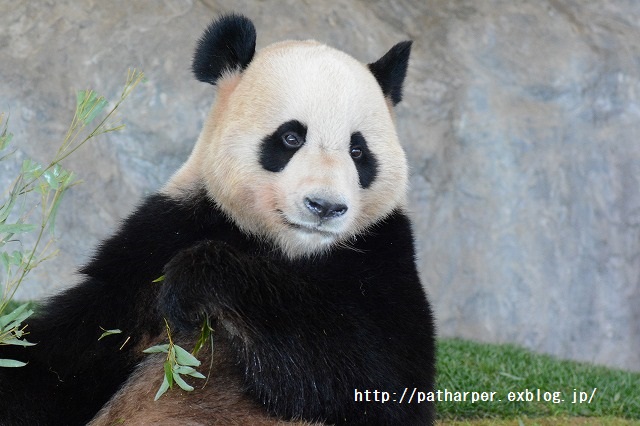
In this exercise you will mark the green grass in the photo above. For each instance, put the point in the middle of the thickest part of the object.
(467, 366)
(544, 421)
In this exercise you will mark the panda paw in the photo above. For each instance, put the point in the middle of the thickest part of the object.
(191, 289)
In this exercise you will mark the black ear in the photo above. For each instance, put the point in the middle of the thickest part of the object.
(391, 69)
(228, 44)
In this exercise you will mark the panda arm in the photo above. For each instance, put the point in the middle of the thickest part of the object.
(307, 346)
(70, 372)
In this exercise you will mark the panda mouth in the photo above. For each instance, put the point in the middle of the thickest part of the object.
(308, 229)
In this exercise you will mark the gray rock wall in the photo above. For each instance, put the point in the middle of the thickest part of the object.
(521, 121)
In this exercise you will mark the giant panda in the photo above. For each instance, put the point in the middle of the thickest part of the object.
(287, 226)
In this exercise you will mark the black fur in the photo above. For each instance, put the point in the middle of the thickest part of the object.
(70, 374)
(391, 69)
(306, 333)
(228, 44)
(274, 154)
(366, 163)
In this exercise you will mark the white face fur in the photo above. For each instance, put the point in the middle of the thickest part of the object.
(333, 96)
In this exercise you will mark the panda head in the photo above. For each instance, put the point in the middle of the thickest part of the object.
(300, 148)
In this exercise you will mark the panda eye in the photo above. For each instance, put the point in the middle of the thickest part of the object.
(356, 152)
(291, 140)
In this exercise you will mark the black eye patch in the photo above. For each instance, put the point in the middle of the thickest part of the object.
(363, 158)
(278, 148)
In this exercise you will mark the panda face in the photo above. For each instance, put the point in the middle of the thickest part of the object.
(301, 150)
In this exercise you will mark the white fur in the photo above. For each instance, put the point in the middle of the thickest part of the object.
(334, 96)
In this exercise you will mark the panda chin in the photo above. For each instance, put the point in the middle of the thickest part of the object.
(304, 240)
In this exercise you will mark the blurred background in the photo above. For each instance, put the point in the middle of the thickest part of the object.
(521, 121)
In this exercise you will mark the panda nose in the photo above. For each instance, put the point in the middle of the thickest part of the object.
(325, 209)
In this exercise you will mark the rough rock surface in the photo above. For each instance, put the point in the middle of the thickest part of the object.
(521, 121)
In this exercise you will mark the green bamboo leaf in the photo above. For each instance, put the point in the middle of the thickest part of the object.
(17, 342)
(168, 373)
(41, 188)
(51, 178)
(53, 212)
(183, 369)
(17, 258)
(185, 358)
(81, 96)
(163, 388)
(6, 209)
(197, 375)
(89, 105)
(5, 136)
(157, 349)
(4, 258)
(16, 228)
(205, 336)
(97, 109)
(30, 168)
(15, 324)
(159, 279)
(180, 382)
(109, 332)
(5, 139)
(68, 179)
(11, 363)
(19, 314)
